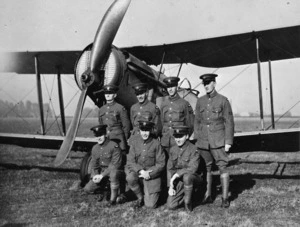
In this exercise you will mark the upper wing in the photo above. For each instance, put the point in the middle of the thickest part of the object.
(238, 49)
(232, 50)
(24, 62)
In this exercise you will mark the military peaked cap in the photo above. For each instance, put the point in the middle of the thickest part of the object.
(140, 88)
(208, 77)
(110, 89)
(99, 130)
(146, 125)
(180, 130)
(171, 81)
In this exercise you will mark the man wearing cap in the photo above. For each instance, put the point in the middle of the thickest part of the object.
(174, 111)
(143, 110)
(183, 170)
(115, 117)
(105, 165)
(214, 130)
(145, 163)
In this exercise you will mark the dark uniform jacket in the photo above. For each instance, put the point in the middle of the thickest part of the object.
(147, 155)
(214, 125)
(105, 158)
(146, 111)
(183, 160)
(115, 117)
(175, 111)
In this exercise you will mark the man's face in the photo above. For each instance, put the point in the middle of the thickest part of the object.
(101, 139)
(181, 140)
(110, 97)
(141, 97)
(209, 86)
(172, 90)
(145, 134)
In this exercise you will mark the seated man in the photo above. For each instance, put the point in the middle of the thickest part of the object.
(182, 170)
(145, 164)
(105, 164)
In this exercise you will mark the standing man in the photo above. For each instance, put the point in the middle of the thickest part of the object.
(105, 165)
(175, 111)
(145, 163)
(115, 117)
(214, 129)
(183, 171)
(143, 110)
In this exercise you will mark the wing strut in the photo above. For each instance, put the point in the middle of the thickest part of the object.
(179, 69)
(271, 95)
(259, 85)
(61, 102)
(161, 64)
(39, 93)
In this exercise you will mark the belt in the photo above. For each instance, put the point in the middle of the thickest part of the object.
(211, 122)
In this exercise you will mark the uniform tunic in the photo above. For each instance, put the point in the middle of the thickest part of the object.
(147, 155)
(185, 162)
(146, 111)
(115, 117)
(214, 127)
(175, 111)
(106, 160)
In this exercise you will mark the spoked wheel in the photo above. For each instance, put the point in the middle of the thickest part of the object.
(85, 168)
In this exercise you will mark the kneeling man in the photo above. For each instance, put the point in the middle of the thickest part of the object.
(145, 164)
(182, 170)
(105, 164)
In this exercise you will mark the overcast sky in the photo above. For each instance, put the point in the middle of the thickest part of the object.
(35, 25)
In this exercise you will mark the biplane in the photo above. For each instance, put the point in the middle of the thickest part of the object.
(102, 63)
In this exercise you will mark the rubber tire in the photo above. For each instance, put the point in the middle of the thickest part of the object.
(85, 170)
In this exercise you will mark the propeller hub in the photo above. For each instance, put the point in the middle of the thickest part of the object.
(87, 78)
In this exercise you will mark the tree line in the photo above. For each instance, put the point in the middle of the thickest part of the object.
(23, 109)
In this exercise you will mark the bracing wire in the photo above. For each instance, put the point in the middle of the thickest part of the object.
(12, 109)
(240, 73)
(283, 114)
(51, 103)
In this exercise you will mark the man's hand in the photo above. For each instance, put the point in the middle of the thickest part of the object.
(171, 191)
(227, 147)
(172, 180)
(145, 174)
(97, 178)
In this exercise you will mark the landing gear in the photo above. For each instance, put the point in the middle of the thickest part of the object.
(85, 169)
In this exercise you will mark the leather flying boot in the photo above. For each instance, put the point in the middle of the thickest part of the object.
(207, 197)
(225, 188)
(188, 191)
(140, 201)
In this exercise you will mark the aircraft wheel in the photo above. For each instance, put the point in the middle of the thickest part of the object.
(85, 168)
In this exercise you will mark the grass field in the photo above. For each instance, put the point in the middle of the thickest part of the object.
(33, 193)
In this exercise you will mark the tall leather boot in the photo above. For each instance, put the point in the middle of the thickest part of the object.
(188, 192)
(225, 189)
(207, 197)
(114, 190)
(140, 201)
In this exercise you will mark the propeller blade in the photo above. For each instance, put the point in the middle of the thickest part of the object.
(101, 47)
(70, 137)
(107, 31)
